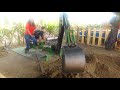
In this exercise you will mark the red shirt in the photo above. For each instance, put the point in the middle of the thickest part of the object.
(30, 28)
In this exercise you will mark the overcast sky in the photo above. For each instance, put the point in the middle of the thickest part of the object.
(78, 17)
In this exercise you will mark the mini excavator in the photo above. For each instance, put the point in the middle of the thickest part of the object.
(73, 57)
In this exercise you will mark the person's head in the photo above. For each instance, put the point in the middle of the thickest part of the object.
(31, 21)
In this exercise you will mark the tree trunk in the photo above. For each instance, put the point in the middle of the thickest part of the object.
(112, 37)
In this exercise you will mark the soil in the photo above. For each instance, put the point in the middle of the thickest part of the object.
(100, 63)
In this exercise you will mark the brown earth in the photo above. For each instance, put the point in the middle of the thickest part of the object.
(101, 63)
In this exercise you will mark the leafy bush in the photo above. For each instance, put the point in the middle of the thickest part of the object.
(16, 33)
(19, 30)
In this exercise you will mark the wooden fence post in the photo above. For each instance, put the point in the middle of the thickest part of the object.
(88, 35)
(117, 39)
(94, 35)
(78, 35)
(106, 34)
(83, 35)
(100, 37)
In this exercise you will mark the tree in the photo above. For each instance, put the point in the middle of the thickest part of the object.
(52, 28)
(6, 36)
(19, 28)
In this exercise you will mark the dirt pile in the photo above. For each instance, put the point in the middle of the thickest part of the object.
(100, 63)
(97, 66)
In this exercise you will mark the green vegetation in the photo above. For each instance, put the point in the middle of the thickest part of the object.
(15, 34)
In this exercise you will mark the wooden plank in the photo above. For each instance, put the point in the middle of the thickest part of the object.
(108, 31)
(116, 44)
(40, 66)
(106, 34)
(83, 35)
(100, 37)
(95, 45)
(88, 36)
(78, 35)
(94, 35)
(117, 39)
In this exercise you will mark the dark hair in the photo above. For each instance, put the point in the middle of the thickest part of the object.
(33, 24)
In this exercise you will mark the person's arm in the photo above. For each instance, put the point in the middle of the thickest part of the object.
(35, 29)
(29, 32)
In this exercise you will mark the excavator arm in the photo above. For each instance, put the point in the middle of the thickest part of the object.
(63, 25)
(73, 58)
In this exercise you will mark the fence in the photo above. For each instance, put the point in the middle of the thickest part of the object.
(95, 37)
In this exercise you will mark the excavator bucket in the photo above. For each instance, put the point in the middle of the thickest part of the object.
(73, 59)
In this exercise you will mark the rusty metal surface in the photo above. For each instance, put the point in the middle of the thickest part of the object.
(73, 60)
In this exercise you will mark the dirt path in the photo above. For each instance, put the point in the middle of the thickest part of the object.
(16, 66)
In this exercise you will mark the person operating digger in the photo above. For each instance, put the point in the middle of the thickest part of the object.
(29, 34)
